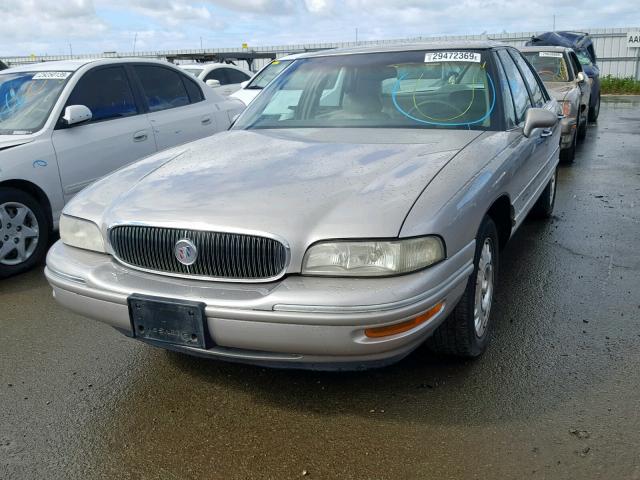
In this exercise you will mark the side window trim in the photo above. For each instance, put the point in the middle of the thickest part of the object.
(524, 83)
(536, 78)
(186, 79)
(138, 92)
(504, 73)
(524, 79)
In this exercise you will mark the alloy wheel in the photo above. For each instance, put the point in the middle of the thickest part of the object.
(484, 289)
(19, 233)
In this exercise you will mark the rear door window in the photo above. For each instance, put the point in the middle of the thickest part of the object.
(106, 92)
(195, 94)
(163, 88)
(517, 85)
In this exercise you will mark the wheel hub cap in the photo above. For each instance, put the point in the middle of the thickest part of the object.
(484, 289)
(19, 233)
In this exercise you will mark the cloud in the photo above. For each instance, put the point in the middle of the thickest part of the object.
(102, 25)
(175, 12)
(60, 18)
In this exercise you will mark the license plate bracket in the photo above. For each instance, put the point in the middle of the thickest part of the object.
(167, 320)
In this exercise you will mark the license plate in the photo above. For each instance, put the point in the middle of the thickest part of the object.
(177, 322)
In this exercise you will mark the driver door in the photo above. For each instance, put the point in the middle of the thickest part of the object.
(117, 134)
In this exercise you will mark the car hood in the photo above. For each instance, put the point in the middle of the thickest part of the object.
(8, 141)
(559, 90)
(301, 185)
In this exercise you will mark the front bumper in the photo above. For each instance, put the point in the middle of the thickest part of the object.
(297, 321)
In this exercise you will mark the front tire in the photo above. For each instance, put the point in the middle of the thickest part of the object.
(24, 232)
(467, 330)
(582, 129)
(594, 112)
(568, 155)
(543, 208)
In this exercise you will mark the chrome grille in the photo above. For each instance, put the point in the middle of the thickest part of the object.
(231, 256)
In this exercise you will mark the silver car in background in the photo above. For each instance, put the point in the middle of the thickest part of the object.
(330, 231)
(561, 72)
(65, 124)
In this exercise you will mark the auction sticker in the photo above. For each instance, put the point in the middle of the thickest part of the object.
(432, 57)
(51, 75)
(550, 54)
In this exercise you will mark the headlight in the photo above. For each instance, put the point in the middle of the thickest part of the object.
(372, 258)
(76, 232)
(564, 108)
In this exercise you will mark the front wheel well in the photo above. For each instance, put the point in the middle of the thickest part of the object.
(501, 213)
(33, 190)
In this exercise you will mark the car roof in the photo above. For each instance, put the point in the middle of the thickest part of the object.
(74, 65)
(545, 48)
(404, 47)
(211, 66)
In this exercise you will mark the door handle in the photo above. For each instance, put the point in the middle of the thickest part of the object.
(205, 121)
(140, 136)
(547, 132)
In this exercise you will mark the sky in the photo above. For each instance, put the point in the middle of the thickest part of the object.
(56, 27)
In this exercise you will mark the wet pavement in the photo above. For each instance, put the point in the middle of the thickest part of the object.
(556, 396)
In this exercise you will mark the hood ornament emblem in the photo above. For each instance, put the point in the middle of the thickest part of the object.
(186, 252)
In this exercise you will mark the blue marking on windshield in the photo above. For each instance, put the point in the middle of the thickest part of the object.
(394, 93)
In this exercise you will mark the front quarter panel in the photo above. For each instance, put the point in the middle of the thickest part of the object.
(35, 162)
(456, 200)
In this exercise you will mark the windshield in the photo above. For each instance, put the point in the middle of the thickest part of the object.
(26, 99)
(551, 66)
(193, 71)
(415, 89)
(271, 71)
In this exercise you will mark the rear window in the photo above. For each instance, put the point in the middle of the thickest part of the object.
(163, 88)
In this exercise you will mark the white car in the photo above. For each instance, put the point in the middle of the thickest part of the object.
(65, 124)
(253, 87)
(225, 79)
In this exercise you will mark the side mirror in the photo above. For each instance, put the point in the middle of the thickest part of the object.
(538, 118)
(244, 84)
(74, 114)
(581, 77)
(213, 83)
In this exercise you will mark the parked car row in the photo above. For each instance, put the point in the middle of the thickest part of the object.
(357, 208)
(582, 45)
(566, 62)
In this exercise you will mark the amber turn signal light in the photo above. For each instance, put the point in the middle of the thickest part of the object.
(388, 330)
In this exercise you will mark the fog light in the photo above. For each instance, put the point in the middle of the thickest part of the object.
(388, 330)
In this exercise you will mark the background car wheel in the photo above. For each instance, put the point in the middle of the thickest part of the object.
(582, 129)
(568, 155)
(543, 208)
(595, 111)
(466, 332)
(24, 232)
